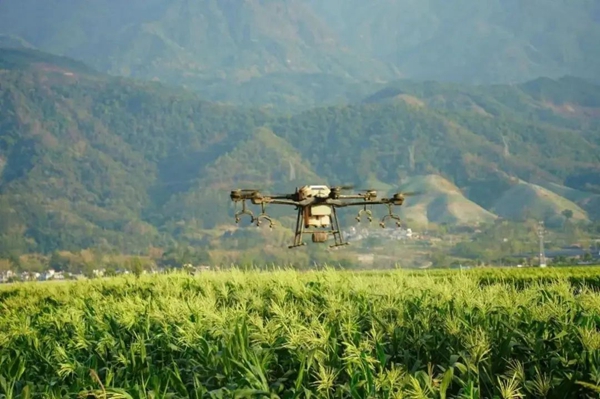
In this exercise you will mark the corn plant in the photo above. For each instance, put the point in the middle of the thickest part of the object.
(497, 333)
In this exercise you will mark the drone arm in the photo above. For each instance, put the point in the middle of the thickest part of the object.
(281, 202)
(350, 196)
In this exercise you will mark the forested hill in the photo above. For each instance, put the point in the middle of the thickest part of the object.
(91, 160)
(295, 54)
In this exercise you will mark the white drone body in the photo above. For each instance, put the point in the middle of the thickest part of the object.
(316, 215)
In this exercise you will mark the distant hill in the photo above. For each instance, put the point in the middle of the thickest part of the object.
(288, 92)
(227, 50)
(11, 41)
(565, 97)
(559, 118)
(89, 160)
(587, 201)
(484, 41)
(440, 202)
(297, 54)
(27, 59)
(569, 193)
(526, 200)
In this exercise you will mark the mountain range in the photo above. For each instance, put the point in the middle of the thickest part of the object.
(125, 125)
(299, 54)
(92, 160)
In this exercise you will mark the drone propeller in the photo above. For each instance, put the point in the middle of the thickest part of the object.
(411, 193)
(367, 190)
(400, 196)
(334, 192)
(245, 191)
(252, 194)
(342, 187)
(280, 196)
(368, 193)
(240, 194)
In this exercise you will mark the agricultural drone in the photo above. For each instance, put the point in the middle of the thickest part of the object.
(316, 209)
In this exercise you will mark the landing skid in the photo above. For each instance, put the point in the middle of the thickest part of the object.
(321, 234)
(297, 245)
(339, 245)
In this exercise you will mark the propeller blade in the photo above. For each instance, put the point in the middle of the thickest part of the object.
(366, 190)
(412, 193)
(343, 187)
(239, 194)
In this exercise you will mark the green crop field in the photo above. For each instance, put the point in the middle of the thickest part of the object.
(501, 333)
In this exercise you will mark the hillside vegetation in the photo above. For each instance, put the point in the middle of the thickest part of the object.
(92, 160)
(295, 54)
(527, 200)
(440, 202)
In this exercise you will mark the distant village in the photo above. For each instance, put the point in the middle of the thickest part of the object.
(50, 274)
(354, 234)
(8, 276)
(568, 255)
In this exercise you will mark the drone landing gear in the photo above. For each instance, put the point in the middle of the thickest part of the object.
(318, 236)
(335, 230)
(299, 231)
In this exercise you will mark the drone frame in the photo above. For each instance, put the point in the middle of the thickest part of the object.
(303, 204)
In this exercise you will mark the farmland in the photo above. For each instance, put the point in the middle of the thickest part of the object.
(505, 333)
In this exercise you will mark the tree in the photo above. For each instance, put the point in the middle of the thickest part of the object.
(135, 266)
(181, 255)
(58, 262)
(15, 262)
(567, 213)
(439, 259)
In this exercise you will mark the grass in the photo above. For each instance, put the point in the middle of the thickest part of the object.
(329, 334)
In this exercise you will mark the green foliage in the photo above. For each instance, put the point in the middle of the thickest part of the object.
(579, 277)
(58, 262)
(179, 256)
(23, 58)
(445, 334)
(567, 213)
(135, 266)
(498, 240)
(510, 238)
